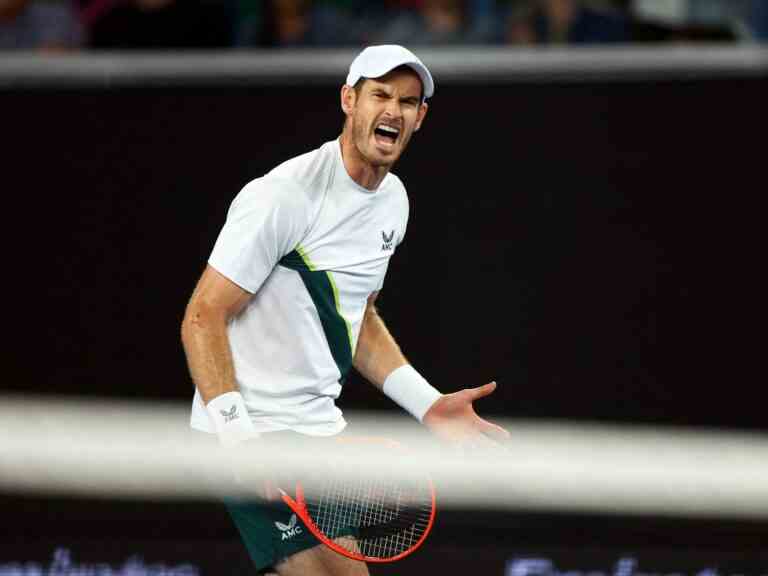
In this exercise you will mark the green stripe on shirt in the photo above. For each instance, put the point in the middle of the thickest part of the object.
(325, 296)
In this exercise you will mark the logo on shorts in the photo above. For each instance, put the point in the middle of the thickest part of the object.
(387, 245)
(289, 530)
(231, 414)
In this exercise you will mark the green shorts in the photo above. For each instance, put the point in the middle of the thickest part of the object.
(271, 531)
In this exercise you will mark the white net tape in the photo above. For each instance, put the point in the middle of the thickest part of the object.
(122, 449)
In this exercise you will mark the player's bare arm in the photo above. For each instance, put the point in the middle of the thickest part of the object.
(377, 354)
(450, 417)
(215, 301)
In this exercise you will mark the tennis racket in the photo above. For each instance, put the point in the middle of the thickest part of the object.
(372, 519)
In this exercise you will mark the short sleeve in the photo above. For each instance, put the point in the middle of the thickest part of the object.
(406, 213)
(266, 221)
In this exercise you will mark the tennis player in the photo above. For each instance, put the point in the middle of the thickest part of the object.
(286, 305)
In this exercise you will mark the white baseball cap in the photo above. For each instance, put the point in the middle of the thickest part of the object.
(376, 61)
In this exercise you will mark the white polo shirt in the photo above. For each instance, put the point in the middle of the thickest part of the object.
(311, 245)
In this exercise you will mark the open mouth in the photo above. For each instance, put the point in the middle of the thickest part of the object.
(386, 134)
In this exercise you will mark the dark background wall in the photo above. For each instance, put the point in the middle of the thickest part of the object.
(595, 247)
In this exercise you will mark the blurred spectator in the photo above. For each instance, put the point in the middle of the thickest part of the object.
(294, 22)
(153, 24)
(248, 22)
(715, 12)
(690, 20)
(345, 22)
(436, 22)
(565, 21)
(758, 19)
(159, 24)
(356, 22)
(291, 22)
(39, 25)
(741, 18)
(482, 21)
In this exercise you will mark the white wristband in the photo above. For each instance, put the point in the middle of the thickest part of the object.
(410, 390)
(230, 418)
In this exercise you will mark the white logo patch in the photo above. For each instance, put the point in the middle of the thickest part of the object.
(387, 240)
(289, 530)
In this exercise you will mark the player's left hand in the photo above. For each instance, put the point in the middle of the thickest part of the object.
(452, 418)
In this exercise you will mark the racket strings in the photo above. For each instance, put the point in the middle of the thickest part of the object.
(378, 518)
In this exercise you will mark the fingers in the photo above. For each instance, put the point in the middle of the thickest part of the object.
(482, 391)
(270, 490)
(493, 431)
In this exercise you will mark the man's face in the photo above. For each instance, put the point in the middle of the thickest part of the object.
(383, 114)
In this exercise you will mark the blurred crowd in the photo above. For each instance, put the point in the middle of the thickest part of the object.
(156, 24)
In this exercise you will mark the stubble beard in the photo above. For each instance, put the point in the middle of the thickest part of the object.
(362, 139)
